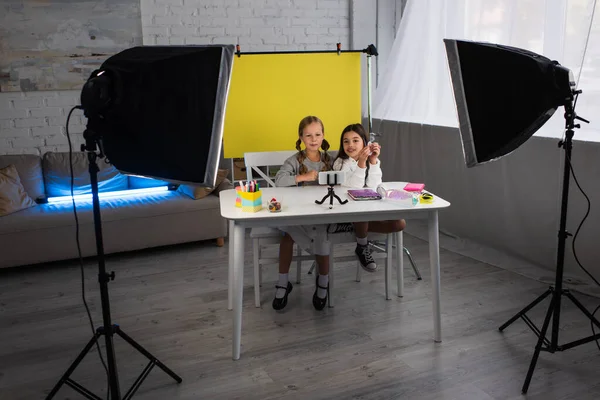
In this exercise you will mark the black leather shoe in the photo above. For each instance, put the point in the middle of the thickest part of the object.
(279, 304)
(318, 302)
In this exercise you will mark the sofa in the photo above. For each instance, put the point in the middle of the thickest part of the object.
(43, 231)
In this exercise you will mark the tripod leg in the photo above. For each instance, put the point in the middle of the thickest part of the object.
(147, 354)
(74, 365)
(523, 311)
(538, 346)
(582, 308)
(322, 200)
(339, 200)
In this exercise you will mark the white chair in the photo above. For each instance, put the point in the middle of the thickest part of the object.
(255, 163)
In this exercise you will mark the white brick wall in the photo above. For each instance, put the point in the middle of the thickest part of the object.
(34, 122)
(256, 25)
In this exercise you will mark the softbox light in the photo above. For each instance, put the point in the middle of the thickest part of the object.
(503, 95)
(160, 110)
(157, 112)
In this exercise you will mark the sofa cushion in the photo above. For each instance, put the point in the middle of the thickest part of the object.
(57, 175)
(13, 196)
(142, 182)
(54, 215)
(198, 192)
(29, 167)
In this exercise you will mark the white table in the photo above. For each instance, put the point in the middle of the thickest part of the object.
(299, 208)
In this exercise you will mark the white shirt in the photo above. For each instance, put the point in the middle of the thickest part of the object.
(355, 176)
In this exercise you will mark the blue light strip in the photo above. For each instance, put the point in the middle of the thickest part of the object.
(104, 195)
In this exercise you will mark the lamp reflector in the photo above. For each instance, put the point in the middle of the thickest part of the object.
(503, 95)
(163, 115)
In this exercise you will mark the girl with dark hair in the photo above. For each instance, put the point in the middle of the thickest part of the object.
(359, 159)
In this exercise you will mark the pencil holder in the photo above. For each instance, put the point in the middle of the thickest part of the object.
(251, 201)
(238, 198)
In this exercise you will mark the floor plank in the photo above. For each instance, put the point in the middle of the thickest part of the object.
(173, 301)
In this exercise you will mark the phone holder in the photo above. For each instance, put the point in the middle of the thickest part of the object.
(331, 179)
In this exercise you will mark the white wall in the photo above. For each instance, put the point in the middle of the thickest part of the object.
(34, 122)
(256, 25)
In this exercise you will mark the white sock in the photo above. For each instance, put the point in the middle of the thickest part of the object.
(323, 281)
(283, 281)
(362, 241)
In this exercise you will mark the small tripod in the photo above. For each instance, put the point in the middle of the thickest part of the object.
(108, 329)
(556, 292)
(331, 193)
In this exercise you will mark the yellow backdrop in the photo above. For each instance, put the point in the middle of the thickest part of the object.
(270, 93)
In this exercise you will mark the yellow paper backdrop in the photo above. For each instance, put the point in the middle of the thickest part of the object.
(270, 93)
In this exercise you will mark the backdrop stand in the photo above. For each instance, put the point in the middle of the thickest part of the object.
(370, 50)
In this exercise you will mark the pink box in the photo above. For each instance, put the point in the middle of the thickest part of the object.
(414, 187)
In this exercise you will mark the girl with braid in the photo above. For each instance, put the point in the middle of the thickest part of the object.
(299, 170)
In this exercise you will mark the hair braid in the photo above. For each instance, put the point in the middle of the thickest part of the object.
(325, 157)
(301, 156)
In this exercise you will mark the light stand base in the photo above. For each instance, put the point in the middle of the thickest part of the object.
(108, 329)
(65, 379)
(557, 291)
(543, 343)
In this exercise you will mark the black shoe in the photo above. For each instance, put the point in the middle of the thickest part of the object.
(279, 304)
(318, 302)
(366, 259)
(340, 227)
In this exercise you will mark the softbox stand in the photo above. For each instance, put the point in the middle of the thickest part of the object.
(108, 329)
(556, 292)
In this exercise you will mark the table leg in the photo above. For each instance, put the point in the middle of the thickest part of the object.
(388, 265)
(238, 287)
(434, 259)
(399, 236)
(230, 269)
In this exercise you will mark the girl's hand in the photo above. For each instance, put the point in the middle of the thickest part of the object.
(375, 150)
(363, 156)
(307, 177)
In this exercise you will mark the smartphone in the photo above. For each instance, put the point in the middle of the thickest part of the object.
(332, 178)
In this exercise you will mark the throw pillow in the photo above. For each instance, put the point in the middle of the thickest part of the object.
(198, 192)
(13, 196)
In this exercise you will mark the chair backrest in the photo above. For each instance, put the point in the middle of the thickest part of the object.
(255, 160)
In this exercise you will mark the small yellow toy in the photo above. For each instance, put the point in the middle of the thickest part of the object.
(426, 198)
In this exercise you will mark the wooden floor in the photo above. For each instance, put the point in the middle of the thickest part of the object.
(174, 303)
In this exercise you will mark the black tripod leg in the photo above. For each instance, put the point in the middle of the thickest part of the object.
(538, 346)
(148, 355)
(340, 200)
(524, 311)
(588, 314)
(582, 308)
(322, 200)
(74, 365)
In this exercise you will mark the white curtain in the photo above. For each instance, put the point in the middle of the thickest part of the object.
(415, 86)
